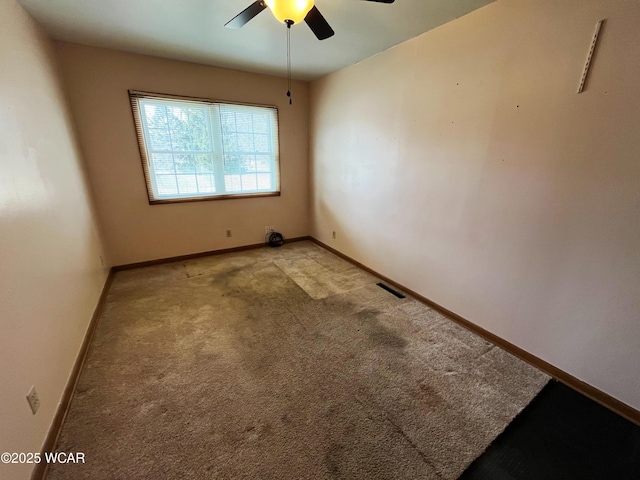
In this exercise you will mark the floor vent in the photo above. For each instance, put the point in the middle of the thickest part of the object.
(390, 290)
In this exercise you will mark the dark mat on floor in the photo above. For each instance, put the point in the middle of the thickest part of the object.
(562, 435)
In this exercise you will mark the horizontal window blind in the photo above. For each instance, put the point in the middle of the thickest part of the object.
(195, 149)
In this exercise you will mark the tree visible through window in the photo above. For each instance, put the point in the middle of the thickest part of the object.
(198, 149)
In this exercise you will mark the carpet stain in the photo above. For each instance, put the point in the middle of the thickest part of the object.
(285, 419)
(379, 334)
(231, 272)
(430, 395)
(333, 459)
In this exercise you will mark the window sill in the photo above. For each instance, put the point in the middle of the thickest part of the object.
(214, 197)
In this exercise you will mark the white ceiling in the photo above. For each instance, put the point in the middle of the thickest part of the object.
(193, 30)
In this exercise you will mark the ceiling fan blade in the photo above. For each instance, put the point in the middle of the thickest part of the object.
(381, 1)
(318, 24)
(247, 14)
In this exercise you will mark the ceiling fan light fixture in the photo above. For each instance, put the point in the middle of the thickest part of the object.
(292, 10)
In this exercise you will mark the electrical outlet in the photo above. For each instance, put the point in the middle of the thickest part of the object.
(268, 230)
(228, 233)
(34, 401)
(334, 234)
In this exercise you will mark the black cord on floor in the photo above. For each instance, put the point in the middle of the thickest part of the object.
(274, 239)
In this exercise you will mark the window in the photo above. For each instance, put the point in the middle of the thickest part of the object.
(197, 149)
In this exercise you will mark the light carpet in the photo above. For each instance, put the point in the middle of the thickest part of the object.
(285, 363)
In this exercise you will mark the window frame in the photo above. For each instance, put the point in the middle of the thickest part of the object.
(134, 95)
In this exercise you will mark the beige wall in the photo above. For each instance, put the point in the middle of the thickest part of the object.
(97, 81)
(50, 273)
(463, 165)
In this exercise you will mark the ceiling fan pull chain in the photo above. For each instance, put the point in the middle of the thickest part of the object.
(289, 23)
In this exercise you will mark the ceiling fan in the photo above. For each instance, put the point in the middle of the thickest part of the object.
(290, 12)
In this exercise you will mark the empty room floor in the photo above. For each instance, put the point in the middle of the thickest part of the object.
(283, 363)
